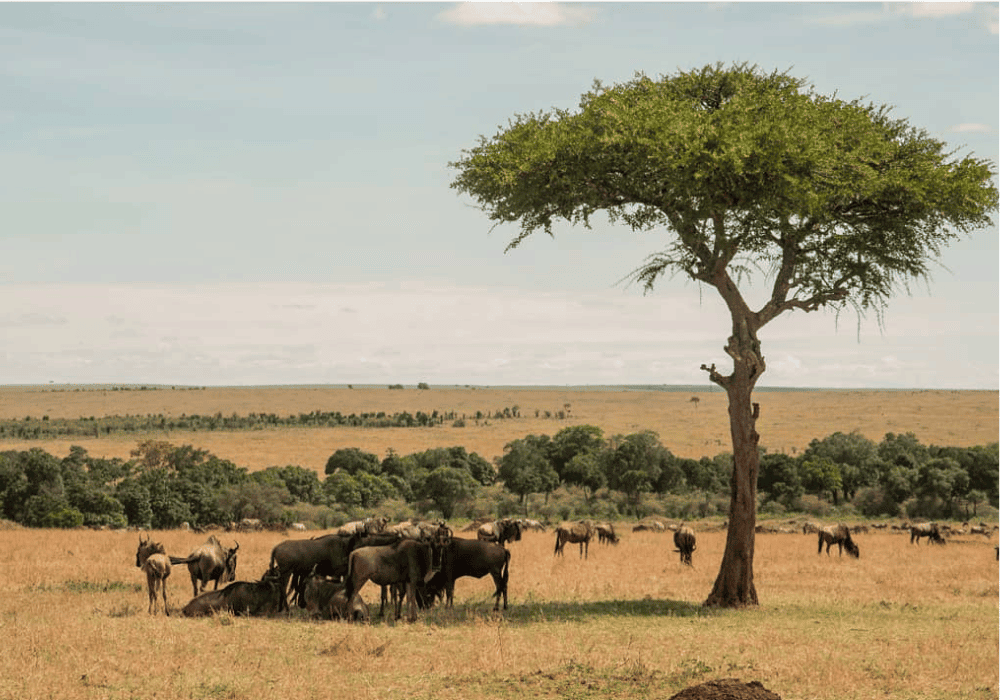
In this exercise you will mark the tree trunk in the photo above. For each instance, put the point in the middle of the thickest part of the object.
(734, 585)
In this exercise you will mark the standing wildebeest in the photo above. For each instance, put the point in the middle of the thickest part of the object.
(606, 533)
(929, 530)
(839, 535)
(368, 526)
(240, 598)
(574, 532)
(409, 562)
(684, 540)
(209, 562)
(474, 558)
(151, 557)
(297, 558)
(500, 531)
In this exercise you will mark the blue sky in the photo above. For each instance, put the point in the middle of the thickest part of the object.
(259, 194)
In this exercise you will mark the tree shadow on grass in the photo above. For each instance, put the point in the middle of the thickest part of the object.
(529, 612)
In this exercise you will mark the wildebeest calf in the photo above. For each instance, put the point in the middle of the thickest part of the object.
(325, 598)
(153, 560)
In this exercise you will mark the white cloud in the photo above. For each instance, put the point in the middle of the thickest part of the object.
(932, 9)
(545, 14)
(970, 128)
(379, 13)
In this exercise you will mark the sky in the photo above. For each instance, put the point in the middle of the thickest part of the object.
(243, 194)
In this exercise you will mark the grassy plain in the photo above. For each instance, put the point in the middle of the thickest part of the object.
(788, 421)
(907, 622)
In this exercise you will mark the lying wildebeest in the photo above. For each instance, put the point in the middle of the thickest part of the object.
(408, 562)
(209, 562)
(500, 531)
(574, 532)
(325, 598)
(839, 535)
(474, 558)
(240, 598)
(151, 557)
(606, 533)
(684, 540)
(929, 530)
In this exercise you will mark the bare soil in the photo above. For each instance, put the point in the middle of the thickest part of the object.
(690, 424)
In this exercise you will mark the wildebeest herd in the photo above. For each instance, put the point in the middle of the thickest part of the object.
(413, 561)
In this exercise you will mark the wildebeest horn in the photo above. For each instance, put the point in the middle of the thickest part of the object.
(237, 545)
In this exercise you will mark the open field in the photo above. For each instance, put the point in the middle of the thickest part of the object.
(789, 419)
(904, 621)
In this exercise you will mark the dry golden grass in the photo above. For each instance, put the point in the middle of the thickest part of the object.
(903, 622)
(789, 420)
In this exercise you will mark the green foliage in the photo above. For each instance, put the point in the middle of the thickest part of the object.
(446, 486)
(352, 460)
(524, 467)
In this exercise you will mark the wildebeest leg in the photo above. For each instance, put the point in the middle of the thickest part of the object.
(163, 590)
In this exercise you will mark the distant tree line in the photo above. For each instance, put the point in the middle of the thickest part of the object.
(32, 428)
(163, 485)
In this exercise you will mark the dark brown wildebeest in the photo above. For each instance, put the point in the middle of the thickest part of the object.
(929, 530)
(474, 558)
(296, 559)
(325, 598)
(606, 533)
(252, 598)
(408, 562)
(209, 562)
(684, 540)
(500, 531)
(580, 532)
(839, 535)
(151, 557)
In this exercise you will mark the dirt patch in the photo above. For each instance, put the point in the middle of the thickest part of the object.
(726, 689)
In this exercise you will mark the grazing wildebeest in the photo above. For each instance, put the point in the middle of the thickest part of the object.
(839, 535)
(684, 540)
(240, 598)
(151, 557)
(929, 530)
(574, 532)
(209, 562)
(297, 558)
(325, 598)
(606, 533)
(474, 558)
(409, 562)
(500, 531)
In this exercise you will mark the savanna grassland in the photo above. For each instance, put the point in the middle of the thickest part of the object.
(788, 420)
(903, 621)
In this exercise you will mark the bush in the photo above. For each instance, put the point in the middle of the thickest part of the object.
(813, 505)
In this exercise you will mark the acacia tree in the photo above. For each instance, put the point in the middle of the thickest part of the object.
(835, 203)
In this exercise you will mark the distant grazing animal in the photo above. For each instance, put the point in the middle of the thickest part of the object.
(810, 527)
(839, 535)
(684, 540)
(650, 526)
(983, 530)
(368, 526)
(527, 524)
(209, 562)
(254, 598)
(474, 558)
(407, 562)
(580, 532)
(151, 557)
(929, 530)
(606, 533)
(325, 598)
(500, 531)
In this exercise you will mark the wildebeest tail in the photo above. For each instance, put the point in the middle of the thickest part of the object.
(185, 560)
(349, 580)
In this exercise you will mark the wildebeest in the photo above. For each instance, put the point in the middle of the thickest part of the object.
(580, 532)
(252, 598)
(325, 598)
(151, 557)
(474, 558)
(209, 562)
(368, 526)
(929, 530)
(500, 531)
(298, 558)
(408, 562)
(684, 540)
(606, 533)
(810, 527)
(839, 535)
